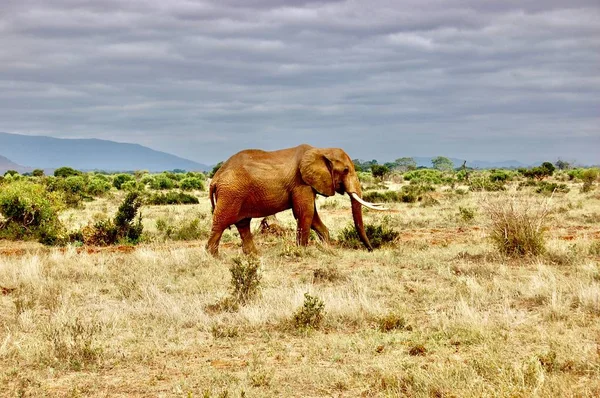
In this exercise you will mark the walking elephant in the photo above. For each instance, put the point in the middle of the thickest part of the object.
(255, 183)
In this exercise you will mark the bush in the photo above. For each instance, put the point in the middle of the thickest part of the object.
(424, 176)
(132, 186)
(30, 212)
(123, 228)
(516, 228)
(97, 186)
(484, 182)
(549, 188)
(161, 182)
(466, 214)
(245, 278)
(120, 179)
(414, 192)
(499, 175)
(311, 314)
(589, 176)
(378, 236)
(172, 198)
(187, 230)
(365, 177)
(378, 197)
(191, 183)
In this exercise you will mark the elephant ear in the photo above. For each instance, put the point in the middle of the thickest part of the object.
(315, 169)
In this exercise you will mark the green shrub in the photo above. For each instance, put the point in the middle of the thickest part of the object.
(97, 186)
(414, 192)
(430, 176)
(191, 183)
(11, 173)
(123, 228)
(311, 314)
(466, 214)
(516, 228)
(133, 186)
(484, 182)
(378, 235)
(186, 230)
(172, 198)
(245, 278)
(161, 182)
(365, 177)
(589, 176)
(121, 179)
(378, 197)
(101, 233)
(548, 188)
(30, 212)
(499, 175)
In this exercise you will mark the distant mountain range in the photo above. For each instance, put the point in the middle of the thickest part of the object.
(29, 152)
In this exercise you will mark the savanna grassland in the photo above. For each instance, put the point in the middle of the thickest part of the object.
(439, 311)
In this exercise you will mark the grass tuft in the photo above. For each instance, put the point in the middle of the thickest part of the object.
(516, 226)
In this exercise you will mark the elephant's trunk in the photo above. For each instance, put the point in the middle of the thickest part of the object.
(358, 223)
(352, 187)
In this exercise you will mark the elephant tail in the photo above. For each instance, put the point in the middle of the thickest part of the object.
(211, 193)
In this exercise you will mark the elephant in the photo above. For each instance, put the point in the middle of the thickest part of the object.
(254, 183)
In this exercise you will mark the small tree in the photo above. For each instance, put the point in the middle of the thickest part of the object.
(65, 172)
(406, 164)
(549, 167)
(442, 163)
(11, 173)
(562, 165)
(379, 171)
(37, 173)
(215, 169)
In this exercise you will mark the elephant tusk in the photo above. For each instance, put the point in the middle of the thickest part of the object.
(374, 206)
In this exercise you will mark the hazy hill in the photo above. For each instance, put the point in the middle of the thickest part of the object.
(89, 154)
(7, 164)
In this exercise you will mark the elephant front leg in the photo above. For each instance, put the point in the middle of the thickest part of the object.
(243, 228)
(320, 228)
(303, 199)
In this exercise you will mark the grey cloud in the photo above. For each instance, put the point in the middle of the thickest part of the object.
(205, 79)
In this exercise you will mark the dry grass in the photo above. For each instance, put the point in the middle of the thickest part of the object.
(439, 313)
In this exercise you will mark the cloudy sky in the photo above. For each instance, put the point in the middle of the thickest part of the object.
(474, 79)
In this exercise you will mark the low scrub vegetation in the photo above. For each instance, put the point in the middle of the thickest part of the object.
(123, 228)
(29, 211)
(487, 293)
(311, 314)
(172, 198)
(378, 234)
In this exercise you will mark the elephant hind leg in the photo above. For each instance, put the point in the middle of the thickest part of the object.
(243, 228)
(221, 221)
(213, 241)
